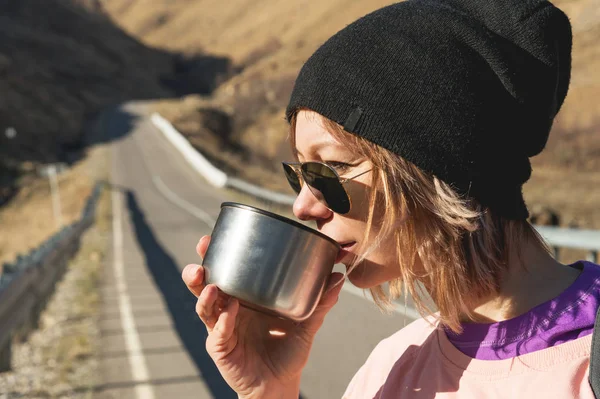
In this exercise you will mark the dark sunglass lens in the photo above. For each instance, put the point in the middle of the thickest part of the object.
(325, 185)
(292, 178)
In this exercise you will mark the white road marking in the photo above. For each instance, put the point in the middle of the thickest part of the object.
(137, 361)
(169, 194)
(183, 204)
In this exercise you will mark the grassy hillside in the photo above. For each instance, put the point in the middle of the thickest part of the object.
(60, 63)
(269, 40)
(223, 72)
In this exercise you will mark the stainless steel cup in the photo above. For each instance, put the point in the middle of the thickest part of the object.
(270, 263)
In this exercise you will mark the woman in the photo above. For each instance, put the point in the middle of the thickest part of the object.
(414, 127)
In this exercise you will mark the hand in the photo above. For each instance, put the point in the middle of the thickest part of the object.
(257, 354)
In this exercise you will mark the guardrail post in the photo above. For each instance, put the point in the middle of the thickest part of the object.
(593, 256)
(6, 357)
(36, 312)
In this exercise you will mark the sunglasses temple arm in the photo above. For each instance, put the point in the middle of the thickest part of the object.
(354, 177)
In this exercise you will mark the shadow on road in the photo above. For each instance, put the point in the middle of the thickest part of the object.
(178, 299)
(112, 124)
(180, 302)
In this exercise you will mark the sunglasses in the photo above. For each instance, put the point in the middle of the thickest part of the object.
(323, 181)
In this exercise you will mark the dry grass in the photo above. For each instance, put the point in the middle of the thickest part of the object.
(238, 29)
(28, 219)
(79, 344)
(60, 358)
(575, 195)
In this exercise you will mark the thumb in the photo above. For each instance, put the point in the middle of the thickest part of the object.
(328, 300)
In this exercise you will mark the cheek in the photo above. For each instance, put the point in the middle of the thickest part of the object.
(350, 228)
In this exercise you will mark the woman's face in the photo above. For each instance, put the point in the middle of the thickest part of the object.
(314, 143)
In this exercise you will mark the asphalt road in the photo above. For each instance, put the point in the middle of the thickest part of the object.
(152, 340)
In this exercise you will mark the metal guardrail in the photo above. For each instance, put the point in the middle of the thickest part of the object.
(215, 176)
(27, 283)
(557, 237)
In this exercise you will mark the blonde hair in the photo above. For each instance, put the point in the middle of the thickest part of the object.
(445, 242)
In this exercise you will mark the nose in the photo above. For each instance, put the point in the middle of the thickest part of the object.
(307, 206)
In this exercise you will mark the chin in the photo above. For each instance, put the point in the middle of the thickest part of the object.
(358, 282)
(369, 274)
(362, 280)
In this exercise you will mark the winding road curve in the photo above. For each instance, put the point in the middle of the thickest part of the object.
(152, 342)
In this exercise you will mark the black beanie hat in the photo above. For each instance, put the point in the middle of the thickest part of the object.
(465, 89)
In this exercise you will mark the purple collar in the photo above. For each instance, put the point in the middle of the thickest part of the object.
(569, 316)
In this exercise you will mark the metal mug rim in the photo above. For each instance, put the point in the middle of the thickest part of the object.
(281, 218)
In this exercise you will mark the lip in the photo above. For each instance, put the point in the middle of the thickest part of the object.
(345, 250)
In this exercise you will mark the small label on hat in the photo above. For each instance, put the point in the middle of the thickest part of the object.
(353, 119)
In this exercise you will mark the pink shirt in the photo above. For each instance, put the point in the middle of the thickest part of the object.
(420, 362)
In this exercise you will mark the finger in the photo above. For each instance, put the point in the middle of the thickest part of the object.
(205, 306)
(222, 301)
(202, 246)
(332, 292)
(223, 338)
(193, 277)
(328, 300)
(336, 281)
